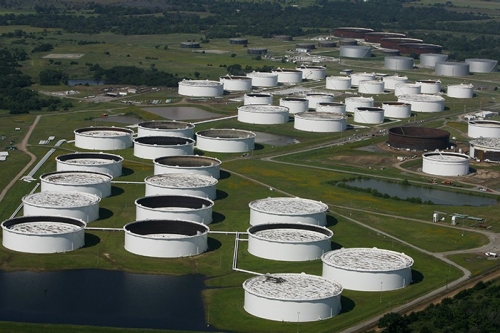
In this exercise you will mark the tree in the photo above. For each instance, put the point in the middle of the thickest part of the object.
(52, 77)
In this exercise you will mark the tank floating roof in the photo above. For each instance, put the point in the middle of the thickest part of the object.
(367, 259)
(76, 177)
(200, 83)
(188, 161)
(89, 158)
(181, 180)
(321, 115)
(288, 206)
(492, 143)
(43, 225)
(166, 124)
(61, 199)
(226, 134)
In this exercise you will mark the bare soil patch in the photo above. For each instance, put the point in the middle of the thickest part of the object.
(64, 56)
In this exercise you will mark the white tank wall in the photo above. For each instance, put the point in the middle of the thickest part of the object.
(398, 63)
(200, 215)
(314, 99)
(200, 88)
(355, 51)
(186, 131)
(338, 83)
(101, 189)
(312, 72)
(267, 115)
(250, 99)
(406, 89)
(87, 213)
(236, 83)
(210, 170)
(429, 60)
(331, 107)
(260, 217)
(113, 167)
(447, 168)
(356, 78)
(263, 79)
(429, 87)
(453, 69)
(100, 142)
(374, 116)
(402, 110)
(225, 145)
(152, 151)
(482, 65)
(295, 105)
(288, 76)
(320, 125)
(371, 87)
(460, 91)
(488, 129)
(351, 103)
(434, 105)
(390, 82)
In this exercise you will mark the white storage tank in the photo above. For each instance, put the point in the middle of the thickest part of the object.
(484, 128)
(174, 207)
(398, 63)
(423, 103)
(407, 89)
(460, 90)
(78, 205)
(236, 83)
(43, 234)
(445, 164)
(396, 110)
(288, 76)
(368, 269)
(225, 140)
(315, 73)
(292, 297)
(95, 162)
(295, 104)
(287, 210)
(263, 79)
(371, 87)
(202, 165)
(103, 138)
(485, 149)
(257, 98)
(391, 81)
(289, 241)
(166, 238)
(355, 51)
(181, 184)
(263, 114)
(78, 181)
(482, 65)
(351, 103)
(453, 69)
(331, 107)
(356, 78)
(200, 88)
(315, 98)
(338, 83)
(321, 122)
(369, 115)
(429, 86)
(165, 128)
(429, 60)
(151, 147)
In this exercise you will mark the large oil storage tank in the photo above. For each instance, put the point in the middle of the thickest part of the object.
(369, 115)
(391, 81)
(429, 86)
(200, 88)
(351, 32)
(338, 83)
(356, 78)
(103, 138)
(374, 87)
(327, 43)
(43, 234)
(398, 63)
(331, 107)
(151, 147)
(419, 48)
(166, 238)
(423, 103)
(257, 50)
(238, 41)
(236, 83)
(263, 114)
(419, 138)
(321, 122)
(288, 76)
(79, 181)
(348, 41)
(460, 90)
(397, 110)
(429, 60)
(263, 79)
(447, 164)
(453, 69)
(165, 128)
(406, 89)
(225, 140)
(312, 72)
(482, 65)
(393, 42)
(181, 184)
(355, 51)
(287, 210)
(351, 103)
(368, 269)
(283, 38)
(96, 162)
(292, 297)
(257, 98)
(484, 128)
(485, 149)
(78, 205)
(174, 207)
(376, 36)
(289, 241)
(202, 165)
(190, 45)
(295, 104)
(315, 98)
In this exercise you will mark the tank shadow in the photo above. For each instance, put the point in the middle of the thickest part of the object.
(116, 191)
(258, 146)
(91, 240)
(472, 170)
(336, 246)
(213, 244)
(347, 304)
(416, 276)
(224, 174)
(221, 195)
(331, 221)
(217, 217)
(104, 213)
(127, 171)
(199, 152)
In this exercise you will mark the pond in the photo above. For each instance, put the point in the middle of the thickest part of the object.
(182, 112)
(82, 82)
(103, 298)
(438, 197)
